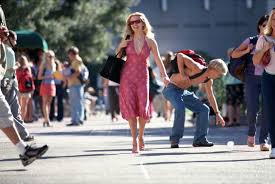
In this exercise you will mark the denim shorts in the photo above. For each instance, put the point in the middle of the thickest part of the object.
(6, 118)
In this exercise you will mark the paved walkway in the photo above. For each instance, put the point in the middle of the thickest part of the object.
(100, 152)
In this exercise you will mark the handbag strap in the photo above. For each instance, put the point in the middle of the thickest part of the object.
(123, 50)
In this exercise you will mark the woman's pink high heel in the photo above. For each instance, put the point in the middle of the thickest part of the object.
(135, 148)
(141, 145)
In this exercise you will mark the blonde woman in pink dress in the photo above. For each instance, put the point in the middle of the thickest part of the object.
(134, 81)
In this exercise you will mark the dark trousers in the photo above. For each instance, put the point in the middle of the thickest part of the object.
(37, 104)
(59, 97)
(252, 97)
(113, 100)
(268, 89)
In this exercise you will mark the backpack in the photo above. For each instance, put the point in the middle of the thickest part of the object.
(196, 57)
(238, 66)
(84, 75)
(190, 53)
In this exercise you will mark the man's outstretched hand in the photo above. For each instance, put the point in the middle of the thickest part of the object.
(220, 120)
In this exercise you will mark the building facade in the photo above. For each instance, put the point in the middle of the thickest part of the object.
(211, 26)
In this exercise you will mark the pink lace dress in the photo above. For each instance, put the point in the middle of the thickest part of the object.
(134, 83)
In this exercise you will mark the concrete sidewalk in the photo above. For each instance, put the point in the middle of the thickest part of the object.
(100, 152)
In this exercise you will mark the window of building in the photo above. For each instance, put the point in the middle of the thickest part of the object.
(164, 5)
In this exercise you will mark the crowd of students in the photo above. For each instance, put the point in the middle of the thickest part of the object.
(134, 96)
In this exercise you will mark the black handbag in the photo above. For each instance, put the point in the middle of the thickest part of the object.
(112, 68)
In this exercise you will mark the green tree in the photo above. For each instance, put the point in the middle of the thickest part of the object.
(91, 25)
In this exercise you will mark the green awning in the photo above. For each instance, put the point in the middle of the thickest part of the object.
(30, 40)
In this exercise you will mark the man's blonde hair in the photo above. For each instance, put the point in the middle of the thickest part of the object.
(219, 65)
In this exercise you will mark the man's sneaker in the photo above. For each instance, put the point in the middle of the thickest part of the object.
(272, 154)
(32, 153)
(174, 145)
(203, 143)
(28, 138)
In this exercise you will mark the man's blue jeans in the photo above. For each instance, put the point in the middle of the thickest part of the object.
(181, 99)
(76, 96)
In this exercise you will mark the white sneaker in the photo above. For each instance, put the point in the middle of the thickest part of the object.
(272, 154)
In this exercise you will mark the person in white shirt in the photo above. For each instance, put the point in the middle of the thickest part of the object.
(265, 44)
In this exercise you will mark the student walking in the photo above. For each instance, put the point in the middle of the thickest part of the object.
(134, 83)
(265, 44)
(252, 83)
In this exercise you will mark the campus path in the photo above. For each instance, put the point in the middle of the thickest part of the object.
(99, 152)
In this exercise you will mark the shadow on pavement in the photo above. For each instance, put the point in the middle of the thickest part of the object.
(129, 150)
(14, 170)
(63, 156)
(107, 150)
(204, 161)
(76, 156)
(220, 136)
(194, 153)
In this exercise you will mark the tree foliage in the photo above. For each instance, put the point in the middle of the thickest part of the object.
(91, 25)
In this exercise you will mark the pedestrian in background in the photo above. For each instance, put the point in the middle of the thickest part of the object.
(25, 83)
(113, 98)
(76, 94)
(58, 98)
(47, 88)
(36, 98)
(234, 97)
(168, 108)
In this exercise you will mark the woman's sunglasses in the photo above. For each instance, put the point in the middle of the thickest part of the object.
(50, 56)
(135, 22)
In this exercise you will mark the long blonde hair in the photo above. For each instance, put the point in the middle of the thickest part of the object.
(51, 65)
(147, 26)
(268, 29)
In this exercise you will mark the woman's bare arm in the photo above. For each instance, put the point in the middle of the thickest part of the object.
(154, 48)
(242, 50)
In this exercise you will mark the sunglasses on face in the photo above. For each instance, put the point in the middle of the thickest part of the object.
(135, 22)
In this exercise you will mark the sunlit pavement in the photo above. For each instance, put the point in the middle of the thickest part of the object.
(100, 152)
